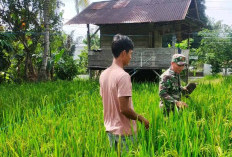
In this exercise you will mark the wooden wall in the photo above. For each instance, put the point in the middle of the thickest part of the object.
(147, 38)
(146, 35)
(139, 33)
(143, 58)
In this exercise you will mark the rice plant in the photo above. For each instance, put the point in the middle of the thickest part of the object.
(65, 118)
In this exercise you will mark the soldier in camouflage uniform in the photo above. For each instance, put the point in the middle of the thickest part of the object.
(169, 88)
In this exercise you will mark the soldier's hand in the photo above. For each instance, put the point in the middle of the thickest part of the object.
(185, 89)
(181, 104)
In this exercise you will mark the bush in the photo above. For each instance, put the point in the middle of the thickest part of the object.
(66, 68)
(83, 62)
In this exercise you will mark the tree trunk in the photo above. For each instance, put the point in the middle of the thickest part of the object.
(29, 72)
(26, 68)
(226, 71)
(52, 72)
(43, 74)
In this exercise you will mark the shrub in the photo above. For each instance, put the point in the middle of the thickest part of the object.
(66, 68)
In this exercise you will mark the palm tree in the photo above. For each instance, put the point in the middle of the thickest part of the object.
(81, 4)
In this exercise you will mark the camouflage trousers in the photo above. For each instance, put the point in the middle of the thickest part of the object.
(167, 108)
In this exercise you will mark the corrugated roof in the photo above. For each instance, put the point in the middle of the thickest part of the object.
(132, 11)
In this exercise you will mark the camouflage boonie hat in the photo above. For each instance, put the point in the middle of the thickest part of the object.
(179, 59)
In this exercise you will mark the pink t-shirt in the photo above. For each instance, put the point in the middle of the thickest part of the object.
(115, 83)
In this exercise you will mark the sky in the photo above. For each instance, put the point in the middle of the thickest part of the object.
(220, 10)
(69, 12)
(216, 9)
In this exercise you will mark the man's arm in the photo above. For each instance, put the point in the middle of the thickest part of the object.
(125, 109)
(165, 84)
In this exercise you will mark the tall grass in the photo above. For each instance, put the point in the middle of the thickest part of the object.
(66, 119)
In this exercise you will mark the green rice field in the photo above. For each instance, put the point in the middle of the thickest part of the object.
(65, 118)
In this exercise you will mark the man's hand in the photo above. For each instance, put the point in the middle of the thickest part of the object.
(185, 91)
(185, 88)
(144, 121)
(181, 104)
(129, 112)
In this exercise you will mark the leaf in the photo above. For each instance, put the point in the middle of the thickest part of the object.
(58, 56)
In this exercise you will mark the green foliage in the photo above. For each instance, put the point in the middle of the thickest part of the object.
(94, 42)
(4, 60)
(83, 62)
(66, 68)
(215, 48)
(83, 57)
(24, 19)
(201, 10)
(5, 49)
(184, 44)
(204, 22)
(65, 65)
(64, 118)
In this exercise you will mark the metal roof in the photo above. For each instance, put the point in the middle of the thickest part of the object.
(132, 11)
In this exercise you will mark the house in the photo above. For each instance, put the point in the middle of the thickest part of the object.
(151, 24)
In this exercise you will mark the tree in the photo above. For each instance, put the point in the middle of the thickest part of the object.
(216, 47)
(83, 57)
(204, 20)
(5, 49)
(80, 4)
(201, 10)
(43, 73)
(184, 44)
(24, 19)
(66, 66)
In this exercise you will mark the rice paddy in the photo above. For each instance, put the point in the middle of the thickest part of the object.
(65, 119)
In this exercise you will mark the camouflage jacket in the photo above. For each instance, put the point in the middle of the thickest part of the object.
(169, 88)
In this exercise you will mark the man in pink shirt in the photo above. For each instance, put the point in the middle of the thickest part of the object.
(116, 91)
